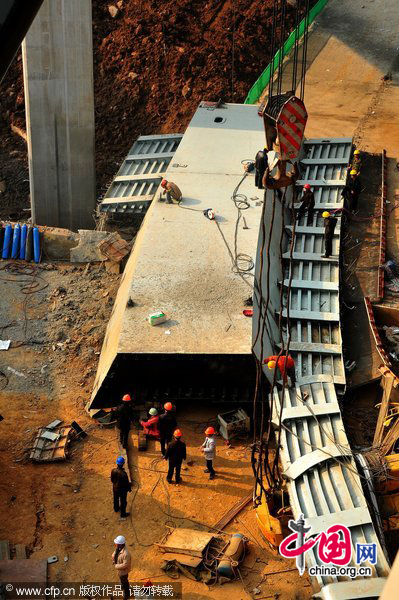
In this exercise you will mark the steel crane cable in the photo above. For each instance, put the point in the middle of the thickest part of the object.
(276, 470)
(296, 46)
(282, 41)
(305, 50)
(260, 331)
(273, 46)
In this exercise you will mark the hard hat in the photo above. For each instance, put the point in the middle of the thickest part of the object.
(120, 539)
(325, 214)
(356, 152)
(353, 172)
(164, 182)
(177, 433)
(126, 398)
(120, 460)
(271, 364)
(306, 186)
(153, 411)
(168, 406)
(209, 431)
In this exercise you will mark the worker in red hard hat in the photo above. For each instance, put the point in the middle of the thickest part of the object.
(167, 424)
(124, 417)
(209, 450)
(175, 453)
(172, 191)
(307, 204)
(285, 366)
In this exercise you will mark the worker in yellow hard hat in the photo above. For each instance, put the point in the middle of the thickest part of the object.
(351, 191)
(329, 227)
(285, 365)
(356, 163)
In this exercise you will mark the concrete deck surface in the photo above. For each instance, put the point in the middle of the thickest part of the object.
(182, 265)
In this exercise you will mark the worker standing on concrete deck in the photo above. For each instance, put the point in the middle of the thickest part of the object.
(260, 167)
(351, 191)
(124, 416)
(121, 486)
(329, 227)
(175, 454)
(172, 191)
(285, 365)
(307, 204)
(123, 564)
(151, 425)
(167, 424)
(209, 450)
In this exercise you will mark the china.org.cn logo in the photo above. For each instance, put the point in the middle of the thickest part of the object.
(333, 548)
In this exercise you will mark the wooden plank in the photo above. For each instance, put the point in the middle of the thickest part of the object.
(20, 551)
(233, 512)
(187, 541)
(142, 441)
(23, 571)
(5, 550)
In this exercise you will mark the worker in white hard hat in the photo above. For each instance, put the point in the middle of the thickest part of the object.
(123, 564)
(173, 192)
(151, 425)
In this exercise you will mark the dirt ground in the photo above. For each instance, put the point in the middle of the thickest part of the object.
(153, 63)
(65, 508)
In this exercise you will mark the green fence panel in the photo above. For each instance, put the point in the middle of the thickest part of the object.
(260, 84)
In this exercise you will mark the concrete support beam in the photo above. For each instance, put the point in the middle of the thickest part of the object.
(58, 80)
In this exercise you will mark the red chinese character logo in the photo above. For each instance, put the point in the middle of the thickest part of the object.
(332, 548)
(334, 545)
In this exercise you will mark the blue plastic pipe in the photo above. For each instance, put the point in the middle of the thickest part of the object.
(16, 241)
(22, 246)
(36, 245)
(7, 242)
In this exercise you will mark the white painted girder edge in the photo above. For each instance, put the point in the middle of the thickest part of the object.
(355, 589)
(312, 459)
(153, 156)
(310, 256)
(319, 348)
(331, 286)
(144, 177)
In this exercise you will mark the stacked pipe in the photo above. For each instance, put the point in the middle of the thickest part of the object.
(20, 242)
